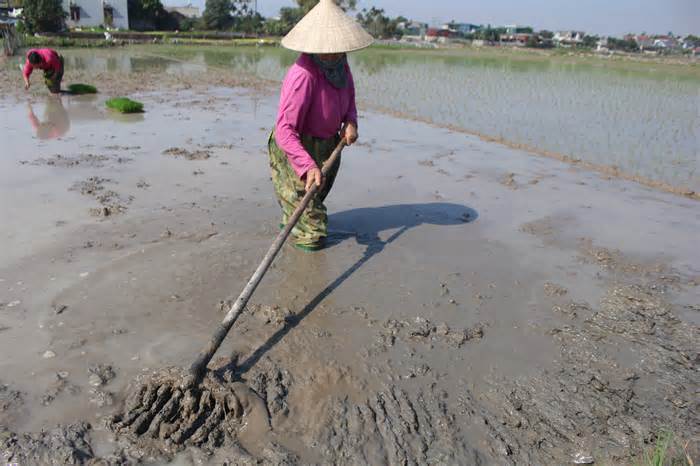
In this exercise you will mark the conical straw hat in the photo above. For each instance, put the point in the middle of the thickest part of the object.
(327, 29)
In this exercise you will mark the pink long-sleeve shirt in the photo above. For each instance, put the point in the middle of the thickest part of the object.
(49, 58)
(311, 106)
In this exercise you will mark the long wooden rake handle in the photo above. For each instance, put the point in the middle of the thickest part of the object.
(198, 368)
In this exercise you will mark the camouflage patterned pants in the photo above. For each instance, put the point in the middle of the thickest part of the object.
(313, 225)
(53, 79)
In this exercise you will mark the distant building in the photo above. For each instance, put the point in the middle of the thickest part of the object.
(644, 41)
(461, 28)
(568, 38)
(517, 35)
(413, 30)
(95, 13)
(513, 29)
(439, 35)
(654, 43)
(602, 45)
(666, 43)
(187, 11)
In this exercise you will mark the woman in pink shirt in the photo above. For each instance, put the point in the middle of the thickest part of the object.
(317, 109)
(50, 62)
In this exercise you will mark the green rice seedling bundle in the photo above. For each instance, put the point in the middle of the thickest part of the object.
(80, 89)
(124, 105)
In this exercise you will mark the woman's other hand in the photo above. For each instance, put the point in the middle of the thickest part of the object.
(313, 177)
(349, 133)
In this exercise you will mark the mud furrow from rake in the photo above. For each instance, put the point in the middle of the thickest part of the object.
(197, 419)
(209, 424)
(140, 405)
(166, 415)
(144, 421)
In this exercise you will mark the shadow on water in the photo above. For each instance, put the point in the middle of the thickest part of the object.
(365, 225)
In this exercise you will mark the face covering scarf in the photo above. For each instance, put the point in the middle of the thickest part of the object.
(335, 71)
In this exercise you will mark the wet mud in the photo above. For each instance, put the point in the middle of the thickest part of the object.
(110, 202)
(202, 154)
(60, 445)
(591, 404)
(499, 325)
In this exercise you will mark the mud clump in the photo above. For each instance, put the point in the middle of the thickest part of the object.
(552, 289)
(111, 202)
(60, 385)
(424, 331)
(508, 181)
(100, 374)
(202, 154)
(62, 161)
(61, 445)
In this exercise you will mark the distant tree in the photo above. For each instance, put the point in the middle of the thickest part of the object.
(489, 34)
(347, 5)
(532, 42)
(148, 14)
(625, 45)
(694, 41)
(188, 24)
(43, 15)
(546, 34)
(376, 23)
(526, 30)
(249, 22)
(590, 41)
(287, 19)
(290, 16)
(218, 14)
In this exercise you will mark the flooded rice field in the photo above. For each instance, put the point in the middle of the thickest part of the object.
(638, 119)
(477, 304)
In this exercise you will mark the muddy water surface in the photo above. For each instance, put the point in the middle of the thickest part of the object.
(639, 118)
(477, 304)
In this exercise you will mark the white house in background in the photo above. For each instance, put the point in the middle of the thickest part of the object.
(602, 45)
(94, 13)
(188, 11)
(568, 37)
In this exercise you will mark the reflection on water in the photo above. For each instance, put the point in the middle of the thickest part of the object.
(58, 113)
(55, 122)
(642, 118)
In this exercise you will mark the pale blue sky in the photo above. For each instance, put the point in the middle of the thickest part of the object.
(597, 16)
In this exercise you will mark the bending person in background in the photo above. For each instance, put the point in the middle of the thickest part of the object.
(50, 62)
(317, 109)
